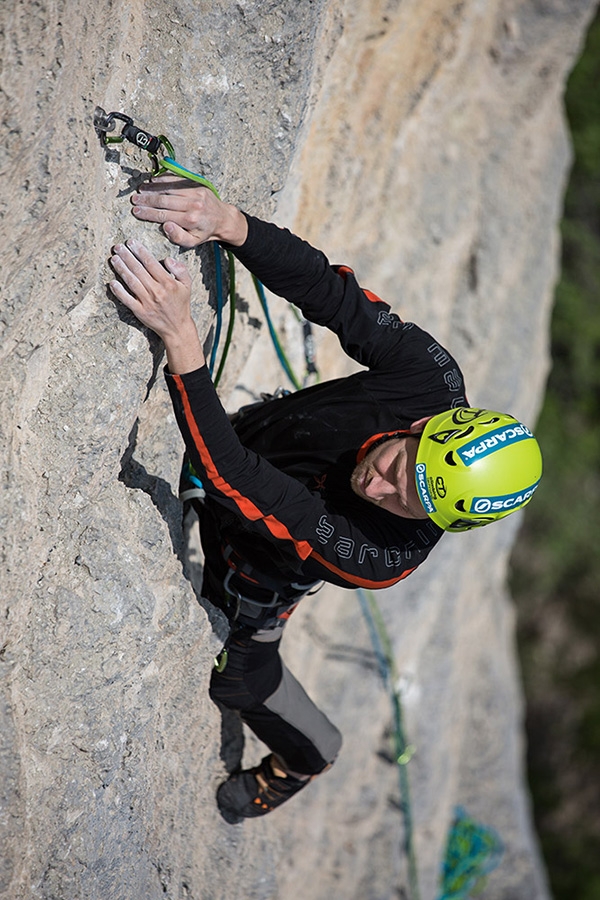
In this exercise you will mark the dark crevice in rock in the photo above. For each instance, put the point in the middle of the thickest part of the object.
(135, 476)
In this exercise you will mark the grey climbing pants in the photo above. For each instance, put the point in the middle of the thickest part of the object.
(273, 704)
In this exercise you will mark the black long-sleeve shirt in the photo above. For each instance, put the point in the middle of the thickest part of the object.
(278, 483)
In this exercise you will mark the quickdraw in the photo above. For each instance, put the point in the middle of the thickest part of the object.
(106, 122)
(153, 144)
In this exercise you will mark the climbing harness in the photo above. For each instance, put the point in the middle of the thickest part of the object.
(162, 155)
(221, 660)
(256, 599)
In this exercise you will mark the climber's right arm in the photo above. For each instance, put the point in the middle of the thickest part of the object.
(287, 265)
(190, 215)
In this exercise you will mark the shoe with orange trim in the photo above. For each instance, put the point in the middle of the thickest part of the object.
(256, 792)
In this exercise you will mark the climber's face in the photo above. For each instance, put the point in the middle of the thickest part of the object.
(386, 477)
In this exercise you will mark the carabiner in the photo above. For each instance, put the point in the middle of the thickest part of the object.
(105, 122)
(221, 660)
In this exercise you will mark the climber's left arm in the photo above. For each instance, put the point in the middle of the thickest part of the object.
(158, 294)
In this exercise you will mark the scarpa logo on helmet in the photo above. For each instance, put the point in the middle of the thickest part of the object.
(506, 503)
(421, 472)
(495, 440)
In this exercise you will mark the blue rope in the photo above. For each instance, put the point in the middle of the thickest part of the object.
(274, 338)
(472, 852)
(219, 318)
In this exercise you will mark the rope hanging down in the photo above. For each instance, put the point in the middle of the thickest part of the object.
(472, 850)
(403, 752)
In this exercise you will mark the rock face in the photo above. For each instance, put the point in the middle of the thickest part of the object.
(422, 143)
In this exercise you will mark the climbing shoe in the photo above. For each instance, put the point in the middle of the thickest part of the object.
(190, 486)
(256, 792)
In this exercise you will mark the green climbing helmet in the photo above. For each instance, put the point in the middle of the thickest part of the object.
(475, 466)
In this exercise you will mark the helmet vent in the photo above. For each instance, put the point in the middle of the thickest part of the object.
(449, 458)
(460, 506)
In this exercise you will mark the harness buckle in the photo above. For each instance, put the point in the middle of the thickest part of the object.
(234, 592)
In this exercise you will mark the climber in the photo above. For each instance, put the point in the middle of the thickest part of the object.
(351, 481)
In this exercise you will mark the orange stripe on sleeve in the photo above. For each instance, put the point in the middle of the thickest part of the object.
(371, 296)
(248, 509)
(344, 271)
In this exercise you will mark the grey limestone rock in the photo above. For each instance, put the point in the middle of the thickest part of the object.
(424, 144)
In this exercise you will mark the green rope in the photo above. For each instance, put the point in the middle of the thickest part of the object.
(169, 164)
(103, 123)
(229, 334)
(472, 850)
(403, 751)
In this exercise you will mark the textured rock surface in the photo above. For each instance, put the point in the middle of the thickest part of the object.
(420, 142)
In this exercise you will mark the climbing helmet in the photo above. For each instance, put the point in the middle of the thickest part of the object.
(474, 466)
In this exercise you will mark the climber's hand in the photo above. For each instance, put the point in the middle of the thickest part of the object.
(159, 296)
(190, 215)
